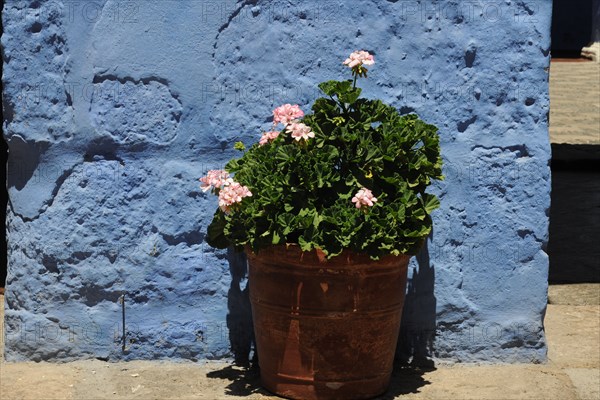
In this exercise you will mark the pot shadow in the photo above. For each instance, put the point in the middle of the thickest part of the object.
(406, 379)
(418, 326)
(417, 331)
(244, 381)
(239, 316)
(243, 375)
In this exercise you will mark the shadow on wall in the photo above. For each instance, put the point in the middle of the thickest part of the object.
(3, 207)
(239, 318)
(417, 330)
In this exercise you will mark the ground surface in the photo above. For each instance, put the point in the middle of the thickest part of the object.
(572, 371)
(574, 102)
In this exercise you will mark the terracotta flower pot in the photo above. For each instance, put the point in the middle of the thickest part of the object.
(325, 329)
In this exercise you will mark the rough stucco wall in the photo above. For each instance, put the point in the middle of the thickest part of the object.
(114, 109)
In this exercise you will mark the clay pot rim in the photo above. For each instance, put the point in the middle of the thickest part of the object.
(348, 258)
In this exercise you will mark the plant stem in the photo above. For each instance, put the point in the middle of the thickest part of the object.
(355, 76)
(343, 106)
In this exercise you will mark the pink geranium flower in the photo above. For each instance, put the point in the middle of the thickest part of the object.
(300, 131)
(359, 58)
(215, 178)
(287, 113)
(231, 194)
(268, 137)
(364, 197)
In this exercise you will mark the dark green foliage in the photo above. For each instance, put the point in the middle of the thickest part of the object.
(302, 190)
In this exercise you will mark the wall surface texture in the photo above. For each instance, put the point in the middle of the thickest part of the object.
(114, 109)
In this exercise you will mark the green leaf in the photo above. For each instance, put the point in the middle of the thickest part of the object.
(232, 165)
(350, 96)
(215, 235)
(239, 146)
(276, 238)
(286, 222)
(305, 245)
(430, 202)
(342, 89)
(317, 220)
(329, 87)
(419, 214)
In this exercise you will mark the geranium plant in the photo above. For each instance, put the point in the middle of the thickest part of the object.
(351, 175)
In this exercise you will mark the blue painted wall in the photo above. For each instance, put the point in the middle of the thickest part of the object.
(114, 109)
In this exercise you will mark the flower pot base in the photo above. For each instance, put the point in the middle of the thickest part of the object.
(299, 389)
